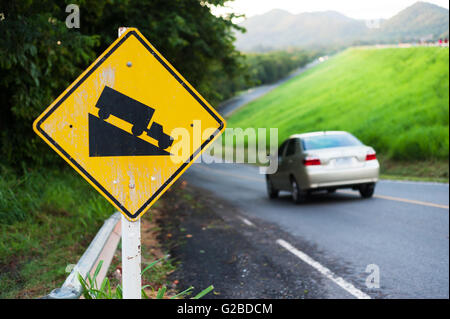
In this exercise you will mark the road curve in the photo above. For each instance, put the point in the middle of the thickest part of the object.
(228, 107)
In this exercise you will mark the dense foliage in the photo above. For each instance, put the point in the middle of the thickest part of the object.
(272, 66)
(40, 57)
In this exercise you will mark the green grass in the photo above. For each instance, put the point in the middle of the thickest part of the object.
(395, 100)
(47, 219)
(106, 291)
(423, 170)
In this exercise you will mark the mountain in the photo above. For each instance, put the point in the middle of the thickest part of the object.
(279, 29)
(421, 20)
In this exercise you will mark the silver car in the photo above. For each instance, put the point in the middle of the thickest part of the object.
(323, 161)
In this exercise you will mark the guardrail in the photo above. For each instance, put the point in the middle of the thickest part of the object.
(102, 247)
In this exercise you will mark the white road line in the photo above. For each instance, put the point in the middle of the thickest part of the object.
(324, 271)
(246, 221)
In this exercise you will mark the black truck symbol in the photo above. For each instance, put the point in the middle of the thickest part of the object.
(134, 112)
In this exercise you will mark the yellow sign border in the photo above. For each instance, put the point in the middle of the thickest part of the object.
(102, 58)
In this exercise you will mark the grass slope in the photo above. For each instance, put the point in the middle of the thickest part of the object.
(48, 217)
(395, 100)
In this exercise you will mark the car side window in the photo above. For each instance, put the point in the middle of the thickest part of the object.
(302, 145)
(281, 149)
(292, 147)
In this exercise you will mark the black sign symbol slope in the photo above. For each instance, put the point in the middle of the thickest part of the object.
(107, 140)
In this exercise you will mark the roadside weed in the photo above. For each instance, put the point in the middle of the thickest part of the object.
(92, 291)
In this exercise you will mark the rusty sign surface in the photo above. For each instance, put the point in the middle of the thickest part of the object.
(116, 124)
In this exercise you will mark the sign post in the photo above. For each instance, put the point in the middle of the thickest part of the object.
(130, 125)
(131, 251)
(131, 259)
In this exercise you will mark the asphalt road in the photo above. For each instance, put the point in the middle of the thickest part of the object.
(403, 230)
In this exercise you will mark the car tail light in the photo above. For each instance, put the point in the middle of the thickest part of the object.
(310, 161)
(371, 157)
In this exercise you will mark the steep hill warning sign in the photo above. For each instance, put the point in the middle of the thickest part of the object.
(114, 124)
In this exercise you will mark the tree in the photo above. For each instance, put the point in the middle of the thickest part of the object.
(40, 56)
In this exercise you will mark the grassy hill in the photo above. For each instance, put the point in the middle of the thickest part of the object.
(395, 100)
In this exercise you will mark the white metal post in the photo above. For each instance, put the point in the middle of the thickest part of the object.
(131, 251)
(131, 259)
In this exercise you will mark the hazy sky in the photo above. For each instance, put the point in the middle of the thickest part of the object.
(359, 9)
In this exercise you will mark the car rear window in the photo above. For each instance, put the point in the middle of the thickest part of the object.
(329, 141)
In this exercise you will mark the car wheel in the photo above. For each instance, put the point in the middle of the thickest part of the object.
(367, 190)
(298, 196)
(271, 191)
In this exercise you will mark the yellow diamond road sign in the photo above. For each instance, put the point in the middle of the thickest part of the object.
(115, 124)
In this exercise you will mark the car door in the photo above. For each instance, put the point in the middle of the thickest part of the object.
(290, 162)
(276, 177)
(298, 168)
